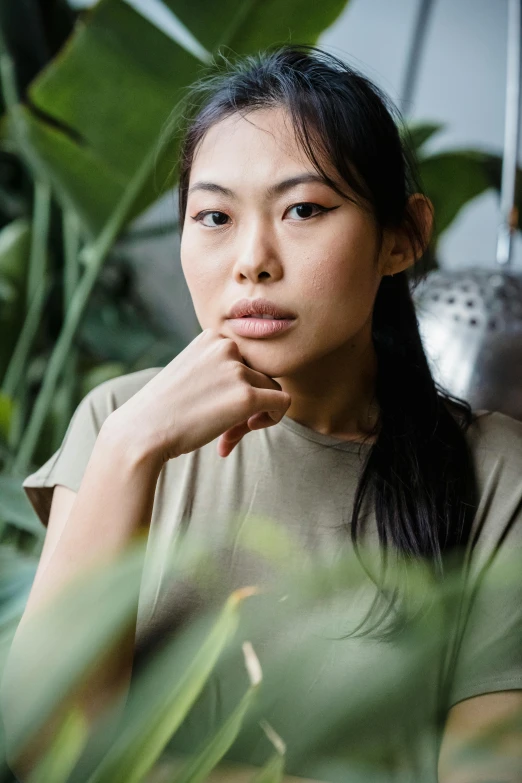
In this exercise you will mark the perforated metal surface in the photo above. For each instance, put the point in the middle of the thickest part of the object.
(471, 327)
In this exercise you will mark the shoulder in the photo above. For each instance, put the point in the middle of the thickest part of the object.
(496, 437)
(109, 395)
(495, 441)
(67, 465)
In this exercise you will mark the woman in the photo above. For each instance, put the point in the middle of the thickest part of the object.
(301, 221)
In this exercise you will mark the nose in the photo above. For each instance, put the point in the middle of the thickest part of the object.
(257, 255)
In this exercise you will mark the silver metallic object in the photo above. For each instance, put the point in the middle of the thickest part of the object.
(471, 320)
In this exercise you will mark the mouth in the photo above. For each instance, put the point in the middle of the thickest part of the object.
(260, 325)
(260, 309)
(264, 317)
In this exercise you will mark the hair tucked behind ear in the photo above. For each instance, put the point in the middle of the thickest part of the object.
(419, 472)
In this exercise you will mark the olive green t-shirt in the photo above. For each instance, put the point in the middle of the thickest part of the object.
(305, 481)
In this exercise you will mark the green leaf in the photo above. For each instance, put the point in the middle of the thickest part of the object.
(274, 769)
(65, 750)
(451, 180)
(16, 577)
(160, 710)
(15, 240)
(6, 413)
(248, 25)
(417, 134)
(199, 768)
(103, 101)
(272, 772)
(99, 374)
(15, 509)
(115, 331)
(493, 169)
(105, 597)
(7, 292)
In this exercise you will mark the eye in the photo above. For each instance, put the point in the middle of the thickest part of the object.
(211, 214)
(307, 206)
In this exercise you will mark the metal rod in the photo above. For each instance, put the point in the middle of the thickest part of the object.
(415, 53)
(511, 133)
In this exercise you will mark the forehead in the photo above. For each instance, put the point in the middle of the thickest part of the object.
(260, 142)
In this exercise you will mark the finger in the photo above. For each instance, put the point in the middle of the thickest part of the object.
(260, 380)
(269, 400)
(225, 447)
(264, 419)
(236, 432)
(229, 439)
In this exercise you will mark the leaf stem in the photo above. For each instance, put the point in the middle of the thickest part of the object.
(93, 256)
(36, 290)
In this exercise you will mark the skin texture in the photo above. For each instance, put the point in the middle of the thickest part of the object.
(324, 267)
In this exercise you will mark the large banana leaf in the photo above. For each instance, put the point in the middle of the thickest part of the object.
(99, 107)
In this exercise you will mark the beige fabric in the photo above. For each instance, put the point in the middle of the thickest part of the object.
(306, 481)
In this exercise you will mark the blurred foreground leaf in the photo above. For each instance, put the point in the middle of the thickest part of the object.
(344, 707)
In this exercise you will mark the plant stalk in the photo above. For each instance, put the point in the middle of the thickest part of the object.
(71, 276)
(93, 256)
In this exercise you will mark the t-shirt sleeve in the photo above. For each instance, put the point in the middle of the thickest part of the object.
(489, 656)
(488, 652)
(67, 465)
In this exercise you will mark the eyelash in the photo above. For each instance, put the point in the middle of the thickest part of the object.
(321, 209)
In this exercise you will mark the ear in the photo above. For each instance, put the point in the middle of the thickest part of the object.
(398, 251)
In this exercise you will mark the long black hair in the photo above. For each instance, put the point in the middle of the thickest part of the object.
(419, 471)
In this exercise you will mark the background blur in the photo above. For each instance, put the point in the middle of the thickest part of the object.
(460, 84)
(90, 281)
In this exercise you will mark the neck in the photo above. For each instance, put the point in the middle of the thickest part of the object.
(335, 395)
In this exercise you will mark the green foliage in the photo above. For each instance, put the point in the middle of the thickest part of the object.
(114, 55)
(15, 240)
(454, 178)
(15, 507)
(82, 137)
(80, 116)
(270, 649)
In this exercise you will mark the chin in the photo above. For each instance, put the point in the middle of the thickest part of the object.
(271, 361)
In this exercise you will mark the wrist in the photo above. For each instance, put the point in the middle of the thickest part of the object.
(130, 447)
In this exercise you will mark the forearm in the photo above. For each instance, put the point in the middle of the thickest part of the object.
(113, 505)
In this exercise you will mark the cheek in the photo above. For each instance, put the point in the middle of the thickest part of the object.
(342, 265)
(200, 272)
(340, 279)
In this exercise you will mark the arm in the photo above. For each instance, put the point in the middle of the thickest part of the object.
(113, 504)
(206, 392)
(466, 721)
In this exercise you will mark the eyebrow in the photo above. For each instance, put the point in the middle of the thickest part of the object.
(271, 191)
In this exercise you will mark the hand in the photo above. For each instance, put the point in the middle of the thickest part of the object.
(206, 391)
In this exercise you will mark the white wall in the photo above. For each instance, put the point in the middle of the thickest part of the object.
(461, 83)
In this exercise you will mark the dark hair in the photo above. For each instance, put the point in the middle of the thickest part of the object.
(420, 469)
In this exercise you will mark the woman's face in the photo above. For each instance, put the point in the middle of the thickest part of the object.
(259, 240)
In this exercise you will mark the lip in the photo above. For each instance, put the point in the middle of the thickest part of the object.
(260, 327)
(255, 307)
